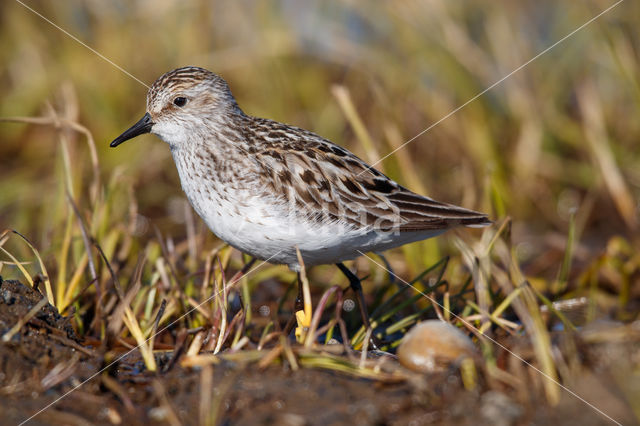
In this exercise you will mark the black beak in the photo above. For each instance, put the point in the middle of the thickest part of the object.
(141, 127)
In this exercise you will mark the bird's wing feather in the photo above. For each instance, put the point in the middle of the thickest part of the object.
(322, 178)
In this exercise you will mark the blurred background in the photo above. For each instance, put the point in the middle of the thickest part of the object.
(554, 146)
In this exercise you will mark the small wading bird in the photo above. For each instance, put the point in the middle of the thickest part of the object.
(269, 189)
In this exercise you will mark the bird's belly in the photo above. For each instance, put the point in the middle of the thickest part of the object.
(263, 229)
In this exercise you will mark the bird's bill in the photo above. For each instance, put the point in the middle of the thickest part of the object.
(141, 127)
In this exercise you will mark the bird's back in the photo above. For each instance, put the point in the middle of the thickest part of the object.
(326, 182)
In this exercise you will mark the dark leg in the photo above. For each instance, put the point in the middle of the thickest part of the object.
(354, 283)
(242, 272)
(297, 306)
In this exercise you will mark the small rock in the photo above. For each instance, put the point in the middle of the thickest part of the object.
(431, 345)
(499, 410)
(7, 296)
(158, 414)
(291, 419)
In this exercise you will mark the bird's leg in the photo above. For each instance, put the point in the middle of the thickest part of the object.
(238, 275)
(242, 272)
(356, 286)
(297, 306)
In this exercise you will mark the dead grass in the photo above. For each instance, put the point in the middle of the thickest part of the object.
(108, 242)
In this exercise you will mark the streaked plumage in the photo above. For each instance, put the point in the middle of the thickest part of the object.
(265, 187)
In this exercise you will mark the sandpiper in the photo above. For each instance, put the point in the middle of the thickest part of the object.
(267, 188)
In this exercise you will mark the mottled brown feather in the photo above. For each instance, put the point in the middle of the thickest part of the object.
(333, 179)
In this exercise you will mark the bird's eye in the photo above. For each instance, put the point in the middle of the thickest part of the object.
(180, 101)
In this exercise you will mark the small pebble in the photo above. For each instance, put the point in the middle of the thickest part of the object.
(158, 414)
(433, 344)
(499, 410)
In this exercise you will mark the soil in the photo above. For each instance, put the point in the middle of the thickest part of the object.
(47, 363)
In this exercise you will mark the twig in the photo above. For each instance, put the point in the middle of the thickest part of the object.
(16, 328)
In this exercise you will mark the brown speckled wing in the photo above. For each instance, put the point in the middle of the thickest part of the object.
(328, 183)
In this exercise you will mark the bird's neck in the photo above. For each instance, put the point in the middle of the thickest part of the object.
(218, 150)
(215, 133)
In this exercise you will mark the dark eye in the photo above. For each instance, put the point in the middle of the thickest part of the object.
(180, 101)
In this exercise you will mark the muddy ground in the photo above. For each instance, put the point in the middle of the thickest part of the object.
(45, 361)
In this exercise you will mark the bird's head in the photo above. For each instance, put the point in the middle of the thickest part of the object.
(182, 103)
